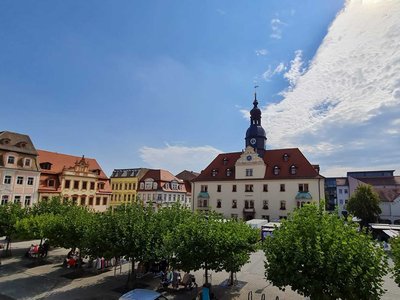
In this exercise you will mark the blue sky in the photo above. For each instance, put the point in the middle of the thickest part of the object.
(166, 84)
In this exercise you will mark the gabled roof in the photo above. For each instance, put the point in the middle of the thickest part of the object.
(187, 175)
(59, 161)
(128, 173)
(159, 175)
(272, 158)
(16, 142)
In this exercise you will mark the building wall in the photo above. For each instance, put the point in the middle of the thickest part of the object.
(343, 194)
(274, 196)
(27, 191)
(123, 190)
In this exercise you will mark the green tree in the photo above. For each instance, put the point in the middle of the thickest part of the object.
(364, 204)
(322, 257)
(9, 215)
(395, 245)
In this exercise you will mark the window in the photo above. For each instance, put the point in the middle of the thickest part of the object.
(228, 172)
(282, 217)
(30, 181)
(340, 191)
(83, 200)
(11, 160)
(248, 188)
(276, 170)
(100, 185)
(76, 184)
(282, 189)
(293, 170)
(104, 200)
(285, 157)
(234, 188)
(84, 185)
(251, 204)
(249, 172)
(265, 217)
(218, 188)
(120, 186)
(155, 185)
(50, 182)
(303, 187)
(283, 205)
(92, 185)
(17, 199)
(246, 204)
(91, 201)
(265, 204)
(20, 180)
(65, 200)
(225, 161)
(218, 203)
(265, 188)
(202, 203)
(234, 216)
(74, 200)
(97, 200)
(133, 186)
(4, 200)
(345, 191)
(45, 198)
(67, 184)
(214, 172)
(7, 179)
(27, 162)
(234, 204)
(204, 188)
(27, 201)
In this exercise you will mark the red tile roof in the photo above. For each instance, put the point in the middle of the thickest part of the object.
(272, 158)
(59, 161)
(161, 177)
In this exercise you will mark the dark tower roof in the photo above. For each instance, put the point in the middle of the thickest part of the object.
(255, 113)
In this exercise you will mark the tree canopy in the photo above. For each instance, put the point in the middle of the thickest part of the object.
(322, 257)
(364, 204)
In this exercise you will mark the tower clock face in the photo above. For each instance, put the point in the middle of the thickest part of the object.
(253, 141)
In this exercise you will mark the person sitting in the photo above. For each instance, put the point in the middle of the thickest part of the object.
(166, 278)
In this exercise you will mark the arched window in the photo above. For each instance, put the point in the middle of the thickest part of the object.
(218, 203)
(293, 170)
(276, 170)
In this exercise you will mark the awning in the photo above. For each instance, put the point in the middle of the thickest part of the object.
(303, 196)
(203, 195)
(391, 233)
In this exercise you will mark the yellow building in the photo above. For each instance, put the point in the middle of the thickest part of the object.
(124, 185)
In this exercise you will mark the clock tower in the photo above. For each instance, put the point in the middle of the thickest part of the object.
(255, 134)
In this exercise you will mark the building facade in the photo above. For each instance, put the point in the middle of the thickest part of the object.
(187, 177)
(19, 169)
(124, 185)
(78, 179)
(160, 188)
(257, 183)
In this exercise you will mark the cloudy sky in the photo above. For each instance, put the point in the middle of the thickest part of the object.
(168, 84)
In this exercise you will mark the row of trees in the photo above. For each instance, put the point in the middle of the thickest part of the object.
(189, 241)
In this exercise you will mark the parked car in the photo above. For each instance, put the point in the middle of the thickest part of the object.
(142, 294)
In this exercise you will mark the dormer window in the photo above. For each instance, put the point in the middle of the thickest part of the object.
(225, 161)
(228, 172)
(155, 185)
(293, 170)
(21, 144)
(214, 172)
(5, 141)
(11, 160)
(100, 185)
(285, 157)
(174, 185)
(51, 182)
(45, 166)
(276, 170)
(141, 185)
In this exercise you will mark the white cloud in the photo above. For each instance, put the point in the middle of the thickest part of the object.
(280, 68)
(295, 70)
(276, 27)
(344, 110)
(267, 75)
(178, 158)
(261, 52)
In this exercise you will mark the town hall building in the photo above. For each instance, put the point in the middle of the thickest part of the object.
(257, 183)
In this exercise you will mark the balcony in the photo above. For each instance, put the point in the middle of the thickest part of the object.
(249, 210)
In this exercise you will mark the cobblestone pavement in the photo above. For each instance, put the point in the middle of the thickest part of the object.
(22, 278)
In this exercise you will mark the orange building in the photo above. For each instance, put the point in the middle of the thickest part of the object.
(74, 178)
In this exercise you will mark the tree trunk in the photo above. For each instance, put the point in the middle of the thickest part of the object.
(206, 274)
(8, 247)
(231, 279)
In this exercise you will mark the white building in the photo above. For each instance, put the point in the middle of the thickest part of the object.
(257, 183)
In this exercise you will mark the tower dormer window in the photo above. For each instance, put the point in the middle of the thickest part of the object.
(285, 157)
(293, 170)
(276, 170)
(225, 161)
